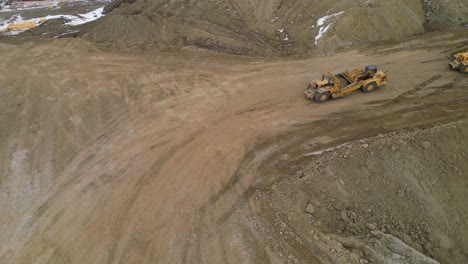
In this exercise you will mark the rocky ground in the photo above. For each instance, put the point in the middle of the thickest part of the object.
(392, 198)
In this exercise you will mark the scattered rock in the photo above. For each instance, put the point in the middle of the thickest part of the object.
(427, 247)
(353, 216)
(401, 224)
(371, 226)
(365, 145)
(426, 144)
(300, 173)
(344, 216)
(401, 193)
(342, 259)
(354, 257)
(310, 209)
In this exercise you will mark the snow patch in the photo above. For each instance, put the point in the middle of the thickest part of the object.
(324, 19)
(315, 153)
(88, 17)
(322, 27)
(320, 33)
(72, 20)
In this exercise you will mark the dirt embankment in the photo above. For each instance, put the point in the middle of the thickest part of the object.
(396, 198)
(268, 27)
(446, 12)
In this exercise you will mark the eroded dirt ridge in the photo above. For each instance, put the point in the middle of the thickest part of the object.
(271, 27)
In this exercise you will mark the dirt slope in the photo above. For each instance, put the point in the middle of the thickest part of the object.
(158, 158)
(447, 12)
(385, 199)
(268, 27)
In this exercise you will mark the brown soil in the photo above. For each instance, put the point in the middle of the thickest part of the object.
(200, 158)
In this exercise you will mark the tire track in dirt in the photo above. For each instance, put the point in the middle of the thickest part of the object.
(231, 198)
(261, 107)
(416, 88)
(125, 217)
(452, 85)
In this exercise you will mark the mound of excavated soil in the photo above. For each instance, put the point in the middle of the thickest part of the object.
(447, 12)
(398, 198)
(270, 26)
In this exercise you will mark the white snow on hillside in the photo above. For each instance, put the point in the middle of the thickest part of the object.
(320, 24)
(72, 20)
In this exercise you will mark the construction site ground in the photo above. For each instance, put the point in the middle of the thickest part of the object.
(127, 156)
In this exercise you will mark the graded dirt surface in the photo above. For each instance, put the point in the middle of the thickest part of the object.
(111, 157)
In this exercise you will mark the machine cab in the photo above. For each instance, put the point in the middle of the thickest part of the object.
(327, 81)
(370, 71)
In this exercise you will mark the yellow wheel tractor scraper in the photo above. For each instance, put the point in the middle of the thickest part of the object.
(342, 84)
(460, 62)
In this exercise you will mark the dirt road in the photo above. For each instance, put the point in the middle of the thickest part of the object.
(156, 158)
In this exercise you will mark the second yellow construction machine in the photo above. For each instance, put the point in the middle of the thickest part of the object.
(342, 84)
(460, 62)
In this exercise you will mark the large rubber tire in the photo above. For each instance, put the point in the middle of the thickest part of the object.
(369, 88)
(322, 97)
(463, 69)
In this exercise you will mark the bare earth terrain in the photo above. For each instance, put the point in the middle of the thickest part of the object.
(112, 157)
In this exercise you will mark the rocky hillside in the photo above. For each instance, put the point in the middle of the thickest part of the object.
(447, 12)
(269, 26)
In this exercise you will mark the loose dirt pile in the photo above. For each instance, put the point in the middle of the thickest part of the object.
(268, 27)
(387, 199)
(446, 12)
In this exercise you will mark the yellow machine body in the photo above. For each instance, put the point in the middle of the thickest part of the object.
(342, 84)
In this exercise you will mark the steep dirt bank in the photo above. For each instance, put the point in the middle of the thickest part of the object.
(448, 13)
(268, 27)
(386, 199)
